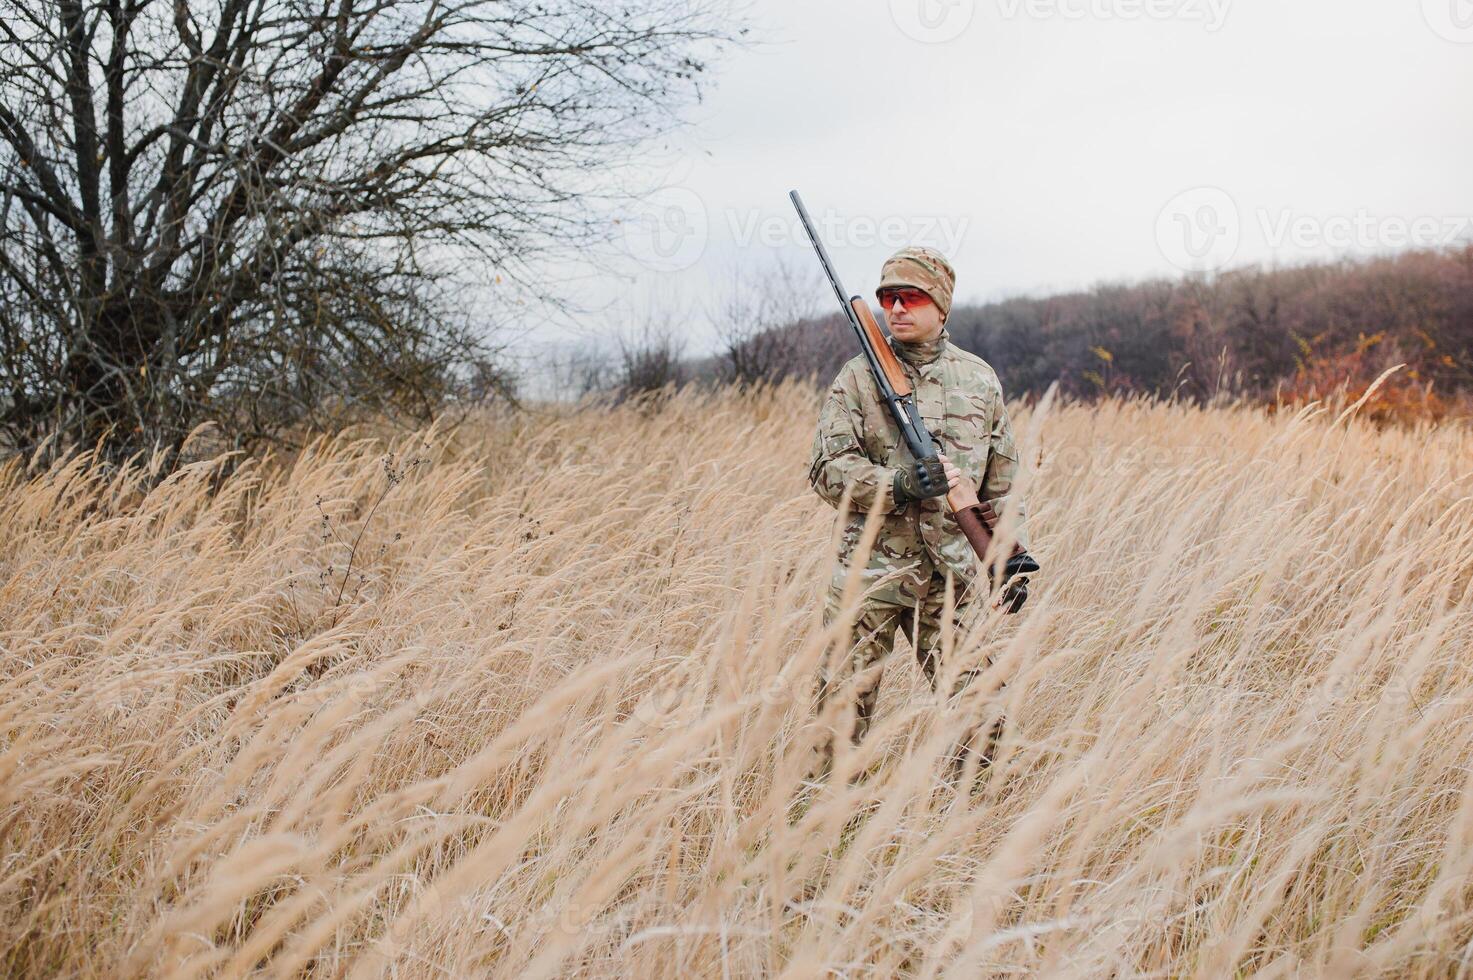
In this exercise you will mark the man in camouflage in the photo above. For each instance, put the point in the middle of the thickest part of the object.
(858, 447)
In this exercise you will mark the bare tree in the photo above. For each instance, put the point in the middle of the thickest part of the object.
(257, 210)
(757, 322)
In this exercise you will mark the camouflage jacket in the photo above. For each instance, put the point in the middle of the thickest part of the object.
(858, 445)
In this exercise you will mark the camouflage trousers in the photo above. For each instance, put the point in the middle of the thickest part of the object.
(872, 640)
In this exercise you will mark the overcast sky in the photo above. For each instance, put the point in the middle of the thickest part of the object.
(1053, 144)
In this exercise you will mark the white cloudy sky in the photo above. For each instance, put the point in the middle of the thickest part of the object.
(1053, 144)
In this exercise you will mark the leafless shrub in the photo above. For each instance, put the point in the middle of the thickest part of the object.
(758, 320)
(650, 358)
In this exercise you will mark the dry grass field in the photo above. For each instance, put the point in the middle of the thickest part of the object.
(530, 698)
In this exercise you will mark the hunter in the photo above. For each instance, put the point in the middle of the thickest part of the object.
(858, 448)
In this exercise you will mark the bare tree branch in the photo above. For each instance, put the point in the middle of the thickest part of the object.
(260, 211)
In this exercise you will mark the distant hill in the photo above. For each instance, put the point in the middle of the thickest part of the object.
(1287, 334)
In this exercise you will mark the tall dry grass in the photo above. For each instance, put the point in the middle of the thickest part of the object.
(554, 720)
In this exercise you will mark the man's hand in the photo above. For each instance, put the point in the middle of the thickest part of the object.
(1014, 594)
(953, 475)
(926, 478)
(1015, 574)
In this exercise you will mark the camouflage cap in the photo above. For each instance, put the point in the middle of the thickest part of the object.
(921, 268)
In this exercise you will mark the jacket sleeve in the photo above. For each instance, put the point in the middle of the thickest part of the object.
(838, 458)
(1002, 468)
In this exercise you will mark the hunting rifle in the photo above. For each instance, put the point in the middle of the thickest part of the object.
(974, 517)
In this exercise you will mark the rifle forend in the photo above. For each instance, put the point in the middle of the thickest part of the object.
(889, 363)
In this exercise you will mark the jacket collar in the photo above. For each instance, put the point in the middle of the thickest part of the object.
(918, 354)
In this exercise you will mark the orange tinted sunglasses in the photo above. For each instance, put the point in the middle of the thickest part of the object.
(909, 298)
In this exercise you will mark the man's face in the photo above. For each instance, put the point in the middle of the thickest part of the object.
(910, 315)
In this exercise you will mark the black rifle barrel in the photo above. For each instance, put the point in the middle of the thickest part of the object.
(823, 256)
